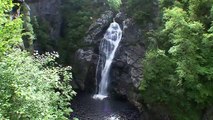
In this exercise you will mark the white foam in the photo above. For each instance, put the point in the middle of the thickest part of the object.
(112, 117)
(99, 96)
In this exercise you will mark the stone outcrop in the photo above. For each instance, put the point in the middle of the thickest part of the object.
(98, 28)
(84, 69)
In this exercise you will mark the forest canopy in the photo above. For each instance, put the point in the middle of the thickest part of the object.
(178, 68)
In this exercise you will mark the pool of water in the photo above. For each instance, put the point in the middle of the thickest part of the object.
(87, 108)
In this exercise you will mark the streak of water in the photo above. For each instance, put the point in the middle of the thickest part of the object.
(107, 49)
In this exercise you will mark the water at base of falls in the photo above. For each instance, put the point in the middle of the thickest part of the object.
(99, 96)
(108, 47)
(86, 108)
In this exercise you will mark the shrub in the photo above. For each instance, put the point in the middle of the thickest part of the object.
(115, 4)
(32, 88)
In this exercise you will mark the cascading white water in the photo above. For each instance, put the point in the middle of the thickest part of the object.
(107, 49)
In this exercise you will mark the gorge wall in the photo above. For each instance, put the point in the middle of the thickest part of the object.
(46, 12)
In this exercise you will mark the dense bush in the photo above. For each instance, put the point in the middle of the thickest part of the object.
(42, 33)
(142, 11)
(115, 4)
(31, 88)
(178, 70)
(10, 31)
(76, 22)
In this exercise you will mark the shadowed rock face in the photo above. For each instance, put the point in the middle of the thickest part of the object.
(96, 31)
(48, 12)
(126, 71)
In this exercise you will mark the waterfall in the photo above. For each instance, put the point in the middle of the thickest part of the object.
(107, 49)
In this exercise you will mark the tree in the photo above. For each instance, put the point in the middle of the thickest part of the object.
(115, 4)
(180, 75)
(10, 31)
(32, 87)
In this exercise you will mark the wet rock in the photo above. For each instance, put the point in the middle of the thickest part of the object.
(98, 28)
(126, 72)
(120, 17)
(85, 55)
(84, 61)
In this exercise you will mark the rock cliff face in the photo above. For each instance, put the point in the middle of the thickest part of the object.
(48, 12)
(126, 71)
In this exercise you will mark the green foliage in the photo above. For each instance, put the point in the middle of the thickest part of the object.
(28, 35)
(166, 3)
(33, 88)
(141, 10)
(75, 25)
(200, 11)
(42, 30)
(115, 4)
(10, 31)
(178, 73)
